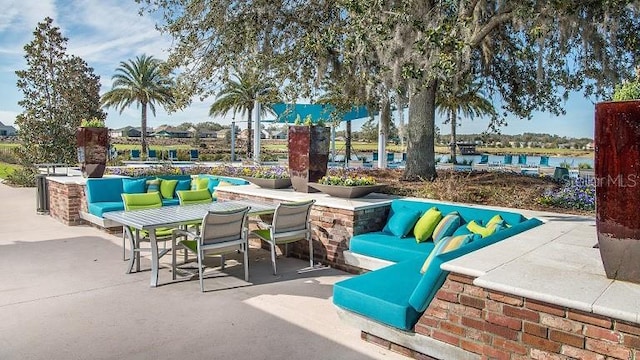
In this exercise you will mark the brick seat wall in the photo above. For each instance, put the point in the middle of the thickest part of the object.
(497, 325)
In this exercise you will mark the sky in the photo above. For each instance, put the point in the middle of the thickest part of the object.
(104, 33)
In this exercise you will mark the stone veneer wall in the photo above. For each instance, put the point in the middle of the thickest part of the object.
(332, 229)
(65, 202)
(497, 325)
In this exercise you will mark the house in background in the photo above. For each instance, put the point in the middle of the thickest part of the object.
(127, 131)
(7, 130)
(166, 131)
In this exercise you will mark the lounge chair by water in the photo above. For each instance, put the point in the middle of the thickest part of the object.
(134, 155)
(194, 155)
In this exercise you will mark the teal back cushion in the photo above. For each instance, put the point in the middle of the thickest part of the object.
(134, 186)
(104, 190)
(401, 221)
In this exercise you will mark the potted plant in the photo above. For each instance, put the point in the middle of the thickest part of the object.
(93, 146)
(270, 177)
(617, 172)
(346, 185)
(308, 153)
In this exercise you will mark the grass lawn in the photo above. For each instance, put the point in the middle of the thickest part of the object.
(6, 169)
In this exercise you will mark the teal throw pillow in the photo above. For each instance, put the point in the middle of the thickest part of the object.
(183, 185)
(153, 185)
(401, 222)
(134, 186)
(212, 184)
(462, 230)
(447, 226)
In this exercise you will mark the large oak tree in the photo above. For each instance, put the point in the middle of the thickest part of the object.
(529, 54)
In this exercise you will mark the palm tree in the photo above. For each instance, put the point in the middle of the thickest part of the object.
(468, 100)
(142, 82)
(240, 95)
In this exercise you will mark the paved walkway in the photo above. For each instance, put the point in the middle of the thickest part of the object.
(64, 294)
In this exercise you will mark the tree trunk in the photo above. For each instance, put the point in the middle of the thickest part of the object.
(143, 131)
(454, 142)
(420, 134)
(347, 143)
(250, 133)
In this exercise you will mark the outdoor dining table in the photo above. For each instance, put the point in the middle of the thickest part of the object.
(176, 216)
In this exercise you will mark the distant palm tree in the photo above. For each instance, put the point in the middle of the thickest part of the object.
(240, 94)
(468, 101)
(140, 81)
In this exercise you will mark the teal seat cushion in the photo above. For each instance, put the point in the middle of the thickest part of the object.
(382, 295)
(389, 247)
(100, 208)
(168, 202)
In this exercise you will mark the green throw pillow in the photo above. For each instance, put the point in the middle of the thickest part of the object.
(153, 185)
(167, 188)
(401, 222)
(448, 243)
(200, 183)
(483, 231)
(427, 223)
(497, 219)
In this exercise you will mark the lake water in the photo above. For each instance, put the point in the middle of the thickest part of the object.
(499, 159)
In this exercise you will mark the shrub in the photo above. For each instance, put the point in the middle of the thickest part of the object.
(585, 166)
(578, 194)
(23, 176)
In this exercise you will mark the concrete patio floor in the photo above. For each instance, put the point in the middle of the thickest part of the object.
(64, 294)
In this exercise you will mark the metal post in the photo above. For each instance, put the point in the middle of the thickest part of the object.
(333, 142)
(256, 134)
(233, 140)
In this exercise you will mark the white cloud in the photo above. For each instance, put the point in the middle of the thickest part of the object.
(8, 117)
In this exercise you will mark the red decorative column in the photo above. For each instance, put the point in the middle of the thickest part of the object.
(617, 170)
(308, 155)
(93, 146)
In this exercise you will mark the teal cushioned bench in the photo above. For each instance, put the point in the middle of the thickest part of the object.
(397, 295)
(388, 247)
(104, 194)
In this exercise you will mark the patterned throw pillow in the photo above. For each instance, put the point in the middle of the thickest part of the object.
(448, 243)
(153, 185)
(446, 226)
(426, 224)
(401, 222)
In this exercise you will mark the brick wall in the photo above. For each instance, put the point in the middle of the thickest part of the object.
(502, 326)
(332, 228)
(65, 202)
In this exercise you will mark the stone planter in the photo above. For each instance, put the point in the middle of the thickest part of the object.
(269, 183)
(93, 148)
(347, 191)
(308, 155)
(617, 172)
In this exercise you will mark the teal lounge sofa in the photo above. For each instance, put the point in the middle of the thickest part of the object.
(104, 194)
(398, 294)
